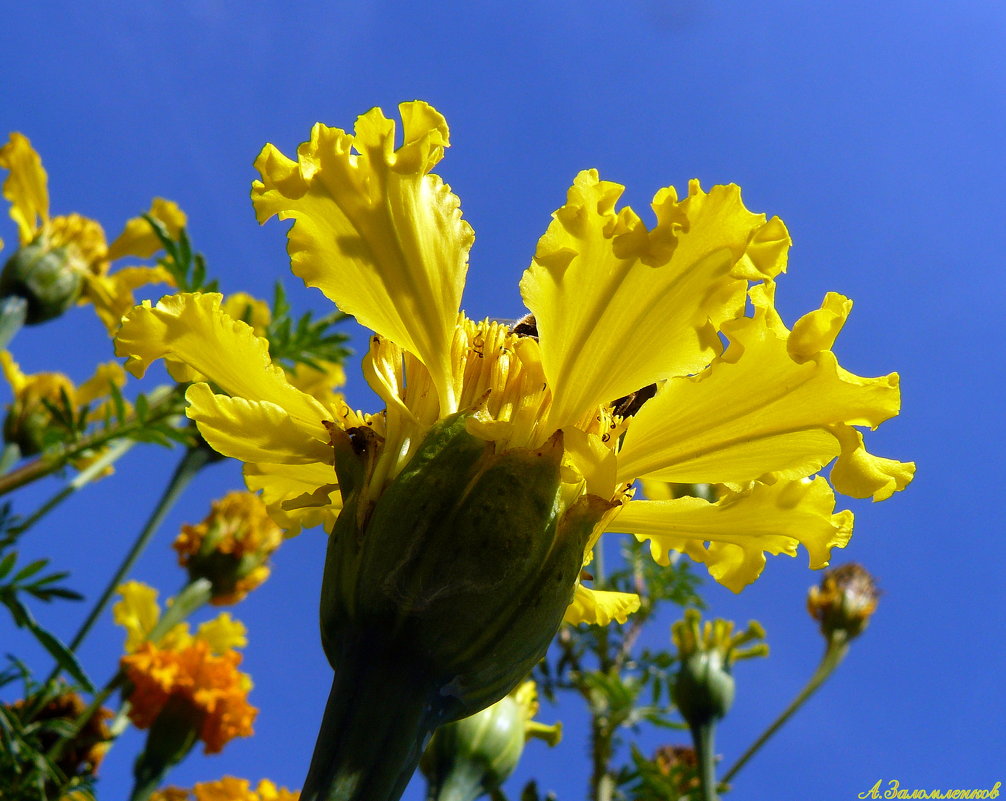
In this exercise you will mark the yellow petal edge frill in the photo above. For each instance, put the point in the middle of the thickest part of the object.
(618, 308)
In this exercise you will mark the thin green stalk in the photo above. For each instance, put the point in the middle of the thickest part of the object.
(838, 647)
(704, 736)
(13, 312)
(11, 456)
(161, 405)
(115, 452)
(463, 783)
(192, 462)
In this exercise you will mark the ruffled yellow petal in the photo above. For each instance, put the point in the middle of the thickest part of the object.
(99, 385)
(137, 612)
(374, 231)
(732, 535)
(860, 474)
(252, 310)
(12, 372)
(755, 411)
(600, 607)
(138, 237)
(223, 633)
(25, 186)
(297, 496)
(192, 329)
(112, 294)
(254, 431)
(619, 307)
(817, 330)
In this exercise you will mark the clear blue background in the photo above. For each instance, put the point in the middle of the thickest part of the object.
(875, 130)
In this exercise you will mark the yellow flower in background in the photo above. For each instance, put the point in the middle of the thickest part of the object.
(617, 308)
(228, 788)
(230, 547)
(138, 612)
(64, 259)
(195, 676)
(28, 417)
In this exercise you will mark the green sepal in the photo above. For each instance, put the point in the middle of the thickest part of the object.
(169, 741)
(466, 563)
(703, 688)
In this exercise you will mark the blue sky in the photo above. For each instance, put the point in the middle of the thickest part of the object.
(874, 131)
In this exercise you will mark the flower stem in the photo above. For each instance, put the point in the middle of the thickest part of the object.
(703, 737)
(162, 404)
(10, 456)
(81, 480)
(838, 647)
(192, 462)
(13, 312)
(379, 716)
(462, 783)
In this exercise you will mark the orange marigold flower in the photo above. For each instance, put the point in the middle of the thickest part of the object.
(212, 686)
(227, 789)
(83, 755)
(230, 547)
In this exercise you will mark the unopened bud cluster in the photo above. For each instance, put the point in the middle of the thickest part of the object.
(844, 601)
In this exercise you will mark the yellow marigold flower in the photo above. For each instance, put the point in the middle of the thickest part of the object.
(28, 418)
(64, 259)
(230, 547)
(718, 416)
(509, 451)
(209, 685)
(228, 788)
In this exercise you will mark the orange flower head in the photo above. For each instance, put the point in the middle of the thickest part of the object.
(231, 546)
(215, 691)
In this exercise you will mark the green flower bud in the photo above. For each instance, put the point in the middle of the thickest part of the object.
(49, 278)
(475, 755)
(703, 689)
